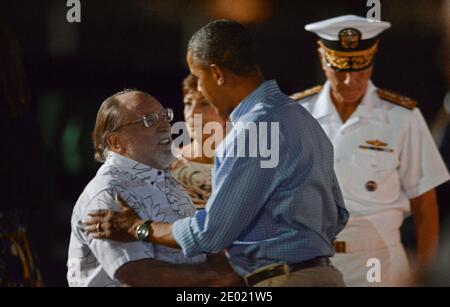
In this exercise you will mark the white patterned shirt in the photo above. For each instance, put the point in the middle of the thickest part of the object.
(152, 193)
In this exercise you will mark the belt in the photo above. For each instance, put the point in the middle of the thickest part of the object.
(278, 269)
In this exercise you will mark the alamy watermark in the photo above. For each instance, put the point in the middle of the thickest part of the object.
(374, 14)
(74, 11)
(374, 273)
(252, 140)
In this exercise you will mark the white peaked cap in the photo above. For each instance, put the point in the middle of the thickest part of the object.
(329, 29)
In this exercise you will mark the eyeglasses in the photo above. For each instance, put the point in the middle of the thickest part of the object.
(151, 119)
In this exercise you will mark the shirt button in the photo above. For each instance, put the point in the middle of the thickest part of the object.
(371, 186)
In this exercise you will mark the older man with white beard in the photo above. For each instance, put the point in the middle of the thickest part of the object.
(132, 136)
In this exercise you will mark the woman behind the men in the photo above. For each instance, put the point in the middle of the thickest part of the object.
(192, 169)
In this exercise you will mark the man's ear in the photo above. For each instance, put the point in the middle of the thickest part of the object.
(114, 142)
(218, 74)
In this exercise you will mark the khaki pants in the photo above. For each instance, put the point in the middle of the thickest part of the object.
(321, 276)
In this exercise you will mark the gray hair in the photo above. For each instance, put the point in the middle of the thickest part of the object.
(109, 117)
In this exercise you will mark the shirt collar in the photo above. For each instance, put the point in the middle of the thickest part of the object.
(266, 89)
(370, 106)
(324, 105)
(135, 169)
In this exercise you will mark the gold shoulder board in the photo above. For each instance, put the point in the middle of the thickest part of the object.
(397, 99)
(309, 92)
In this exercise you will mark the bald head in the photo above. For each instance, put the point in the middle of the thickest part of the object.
(134, 104)
(121, 108)
(132, 98)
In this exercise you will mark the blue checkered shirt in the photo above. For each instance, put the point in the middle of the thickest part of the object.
(284, 214)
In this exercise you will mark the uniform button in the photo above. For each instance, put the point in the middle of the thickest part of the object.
(371, 186)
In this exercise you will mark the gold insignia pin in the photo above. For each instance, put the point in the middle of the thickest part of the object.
(377, 143)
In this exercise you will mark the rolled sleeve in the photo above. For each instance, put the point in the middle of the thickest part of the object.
(184, 235)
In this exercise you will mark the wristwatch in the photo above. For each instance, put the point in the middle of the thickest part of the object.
(144, 231)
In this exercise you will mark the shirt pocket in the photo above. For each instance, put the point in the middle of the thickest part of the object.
(374, 176)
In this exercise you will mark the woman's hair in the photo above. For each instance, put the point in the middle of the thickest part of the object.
(190, 84)
(14, 91)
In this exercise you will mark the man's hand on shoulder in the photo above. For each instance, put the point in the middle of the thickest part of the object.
(114, 225)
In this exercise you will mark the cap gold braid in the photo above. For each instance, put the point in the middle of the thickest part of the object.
(349, 60)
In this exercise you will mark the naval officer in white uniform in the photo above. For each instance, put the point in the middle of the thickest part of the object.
(385, 159)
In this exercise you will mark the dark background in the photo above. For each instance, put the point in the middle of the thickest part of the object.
(73, 67)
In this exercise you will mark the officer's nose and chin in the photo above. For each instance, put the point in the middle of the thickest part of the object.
(349, 79)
